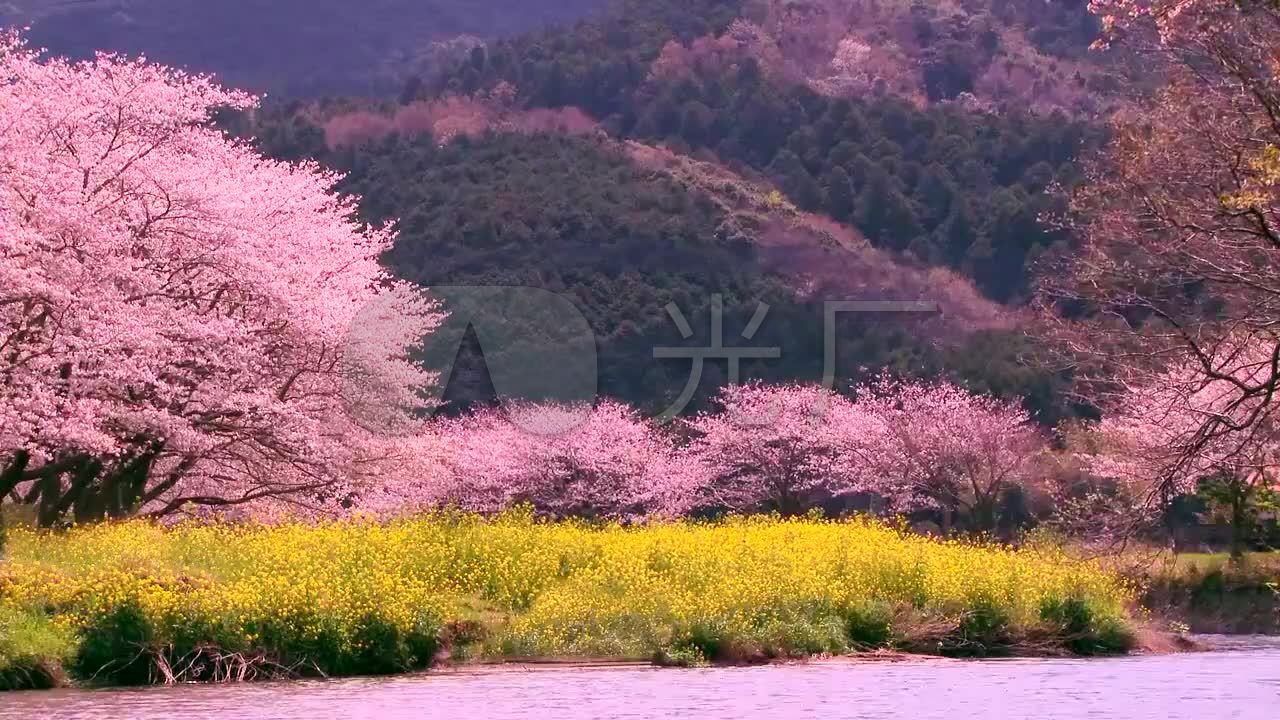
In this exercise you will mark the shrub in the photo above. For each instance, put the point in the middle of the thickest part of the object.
(869, 625)
(117, 648)
(983, 631)
(1084, 632)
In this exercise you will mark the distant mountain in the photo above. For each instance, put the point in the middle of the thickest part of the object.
(291, 47)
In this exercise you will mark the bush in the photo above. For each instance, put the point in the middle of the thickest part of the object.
(869, 625)
(1082, 631)
(694, 646)
(118, 648)
(984, 631)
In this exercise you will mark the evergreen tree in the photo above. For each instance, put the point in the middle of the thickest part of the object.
(884, 214)
(795, 180)
(696, 121)
(935, 192)
(978, 259)
(958, 233)
(839, 190)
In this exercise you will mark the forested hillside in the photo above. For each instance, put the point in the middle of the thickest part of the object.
(656, 153)
(952, 184)
(998, 52)
(625, 230)
(291, 47)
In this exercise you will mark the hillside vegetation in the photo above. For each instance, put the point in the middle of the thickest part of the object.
(650, 155)
(950, 183)
(626, 229)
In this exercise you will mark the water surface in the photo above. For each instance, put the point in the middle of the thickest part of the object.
(1240, 680)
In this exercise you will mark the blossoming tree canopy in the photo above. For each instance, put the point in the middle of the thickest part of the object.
(781, 448)
(601, 461)
(939, 445)
(176, 310)
(1178, 259)
(1185, 430)
(1161, 437)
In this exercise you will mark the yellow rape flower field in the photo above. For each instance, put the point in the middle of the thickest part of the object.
(137, 603)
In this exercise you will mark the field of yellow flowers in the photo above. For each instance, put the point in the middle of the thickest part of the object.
(137, 602)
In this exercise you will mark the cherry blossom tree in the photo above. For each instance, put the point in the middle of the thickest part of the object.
(1154, 444)
(782, 448)
(1178, 264)
(936, 445)
(917, 445)
(453, 116)
(358, 127)
(176, 311)
(603, 462)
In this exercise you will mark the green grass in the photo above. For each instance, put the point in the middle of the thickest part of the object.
(1266, 562)
(1210, 594)
(31, 646)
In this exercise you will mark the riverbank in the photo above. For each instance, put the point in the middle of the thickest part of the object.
(1208, 594)
(134, 603)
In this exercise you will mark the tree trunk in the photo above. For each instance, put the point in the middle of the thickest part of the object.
(49, 487)
(13, 473)
(83, 488)
(788, 505)
(9, 480)
(984, 516)
(1239, 523)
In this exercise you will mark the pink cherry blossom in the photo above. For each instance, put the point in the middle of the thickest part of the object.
(777, 448)
(1191, 422)
(175, 309)
(565, 460)
(939, 446)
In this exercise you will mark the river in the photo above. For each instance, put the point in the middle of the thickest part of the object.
(1240, 679)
